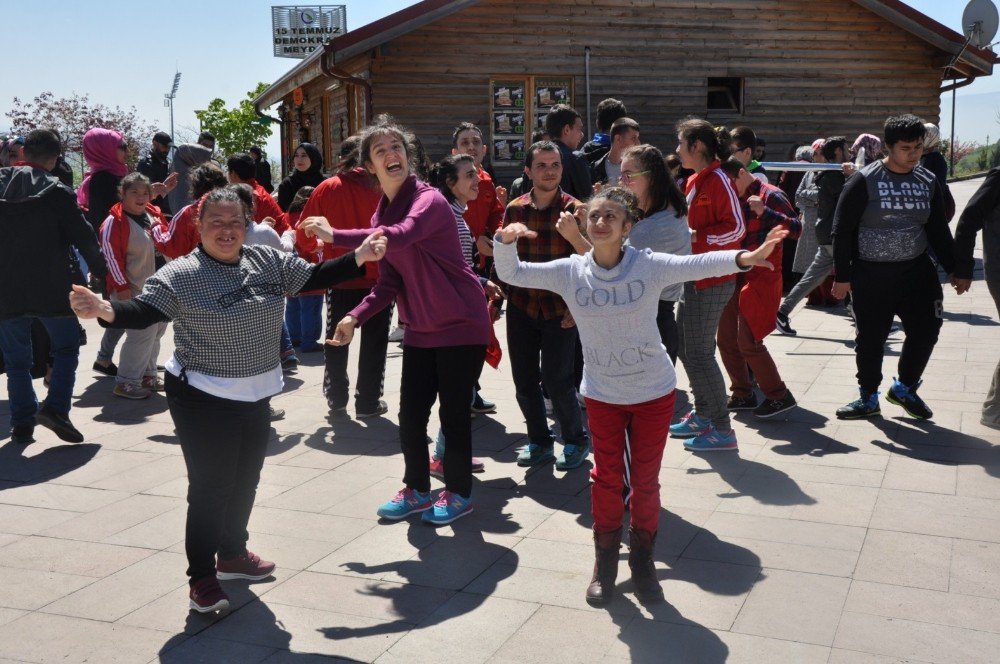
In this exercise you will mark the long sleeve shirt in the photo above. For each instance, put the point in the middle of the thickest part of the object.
(889, 217)
(439, 296)
(981, 210)
(624, 360)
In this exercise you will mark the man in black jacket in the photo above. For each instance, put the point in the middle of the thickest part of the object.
(829, 184)
(262, 169)
(39, 222)
(608, 111)
(565, 127)
(156, 167)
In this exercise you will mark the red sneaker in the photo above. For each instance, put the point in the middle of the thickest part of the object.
(248, 566)
(207, 596)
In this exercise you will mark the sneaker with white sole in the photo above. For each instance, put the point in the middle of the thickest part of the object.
(449, 506)
(153, 383)
(712, 440)
(247, 566)
(406, 502)
(784, 325)
(691, 425)
(772, 407)
(131, 391)
(206, 596)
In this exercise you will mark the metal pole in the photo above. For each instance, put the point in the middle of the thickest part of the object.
(951, 146)
(586, 66)
(171, 117)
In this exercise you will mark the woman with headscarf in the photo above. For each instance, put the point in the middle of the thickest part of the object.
(307, 171)
(105, 151)
(871, 144)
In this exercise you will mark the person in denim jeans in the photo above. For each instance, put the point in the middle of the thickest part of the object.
(539, 332)
(39, 223)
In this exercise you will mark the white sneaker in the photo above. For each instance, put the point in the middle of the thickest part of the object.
(396, 334)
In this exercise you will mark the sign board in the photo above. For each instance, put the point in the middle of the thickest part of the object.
(301, 29)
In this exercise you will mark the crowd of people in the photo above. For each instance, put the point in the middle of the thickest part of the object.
(610, 260)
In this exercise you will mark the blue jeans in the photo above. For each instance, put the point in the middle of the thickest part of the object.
(304, 319)
(15, 342)
(532, 341)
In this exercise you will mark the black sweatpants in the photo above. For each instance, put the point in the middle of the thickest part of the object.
(880, 291)
(447, 373)
(371, 361)
(224, 444)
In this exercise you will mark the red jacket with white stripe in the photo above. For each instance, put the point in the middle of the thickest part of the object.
(115, 233)
(180, 236)
(715, 215)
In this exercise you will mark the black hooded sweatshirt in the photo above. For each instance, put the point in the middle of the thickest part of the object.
(298, 179)
(39, 222)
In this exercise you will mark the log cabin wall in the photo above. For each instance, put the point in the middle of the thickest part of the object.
(809, 67)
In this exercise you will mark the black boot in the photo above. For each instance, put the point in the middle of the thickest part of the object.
(602, 586)
(640, 561)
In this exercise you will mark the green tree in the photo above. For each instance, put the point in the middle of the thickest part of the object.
(236, 129)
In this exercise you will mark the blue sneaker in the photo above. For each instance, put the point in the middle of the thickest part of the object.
(406, 502)
(572, 456)
(449, 506)
(534, 454)
(866, 406)
(691, 425)
(904, 396)
(712, 440)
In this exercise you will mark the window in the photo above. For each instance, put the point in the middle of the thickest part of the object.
(725, 94)
(518, 107)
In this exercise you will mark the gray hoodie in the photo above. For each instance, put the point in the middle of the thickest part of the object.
(187, 157)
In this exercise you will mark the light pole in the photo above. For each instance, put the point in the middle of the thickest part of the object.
(168, 100)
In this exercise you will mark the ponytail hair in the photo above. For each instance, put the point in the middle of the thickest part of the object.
(718, 141)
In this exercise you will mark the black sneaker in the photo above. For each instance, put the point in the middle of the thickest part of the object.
(381, 408)
(22, 434)
(742, 403)
(59, 424)
(772, 407)
(784, 325)
(276, 413)
(110, 370)
(866, 406)
(904, 396)
(481, 405)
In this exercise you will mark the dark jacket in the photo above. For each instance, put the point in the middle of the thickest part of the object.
(262, 174)
(597, 171)
(63, 171)
(39, 222)
(156, 168)
(575, 174)
(103, 194)
(298, 179)
(829, 185)
(595, 148)
(982, 213)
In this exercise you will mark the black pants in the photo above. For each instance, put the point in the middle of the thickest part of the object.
(224, 444)
(447, 373)
(908, 289)
(371, 362)
(666, 322)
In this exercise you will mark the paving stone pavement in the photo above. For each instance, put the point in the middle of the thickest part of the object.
(821, 541)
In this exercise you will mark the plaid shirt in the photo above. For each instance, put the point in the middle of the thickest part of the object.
(777, 212)
(548, 246)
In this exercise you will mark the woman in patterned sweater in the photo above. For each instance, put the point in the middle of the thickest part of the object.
(226, 301)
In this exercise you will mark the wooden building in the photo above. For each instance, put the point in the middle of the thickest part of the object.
(791, 69)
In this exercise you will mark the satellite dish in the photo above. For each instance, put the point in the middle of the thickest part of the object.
(980, 21)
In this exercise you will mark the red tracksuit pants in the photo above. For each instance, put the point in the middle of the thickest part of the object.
(637, 432)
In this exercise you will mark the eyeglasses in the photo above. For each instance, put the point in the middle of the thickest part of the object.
(628, 176)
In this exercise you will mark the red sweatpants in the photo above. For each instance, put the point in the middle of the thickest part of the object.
(643, 428)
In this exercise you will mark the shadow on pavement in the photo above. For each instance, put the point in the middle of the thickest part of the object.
(49, 464)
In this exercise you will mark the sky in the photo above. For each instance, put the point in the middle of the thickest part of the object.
(125, 54)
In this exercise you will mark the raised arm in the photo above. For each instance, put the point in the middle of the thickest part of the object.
(551, 276)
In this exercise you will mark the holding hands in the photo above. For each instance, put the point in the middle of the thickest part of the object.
(372, 249)
(86, 304)
(318, 227)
